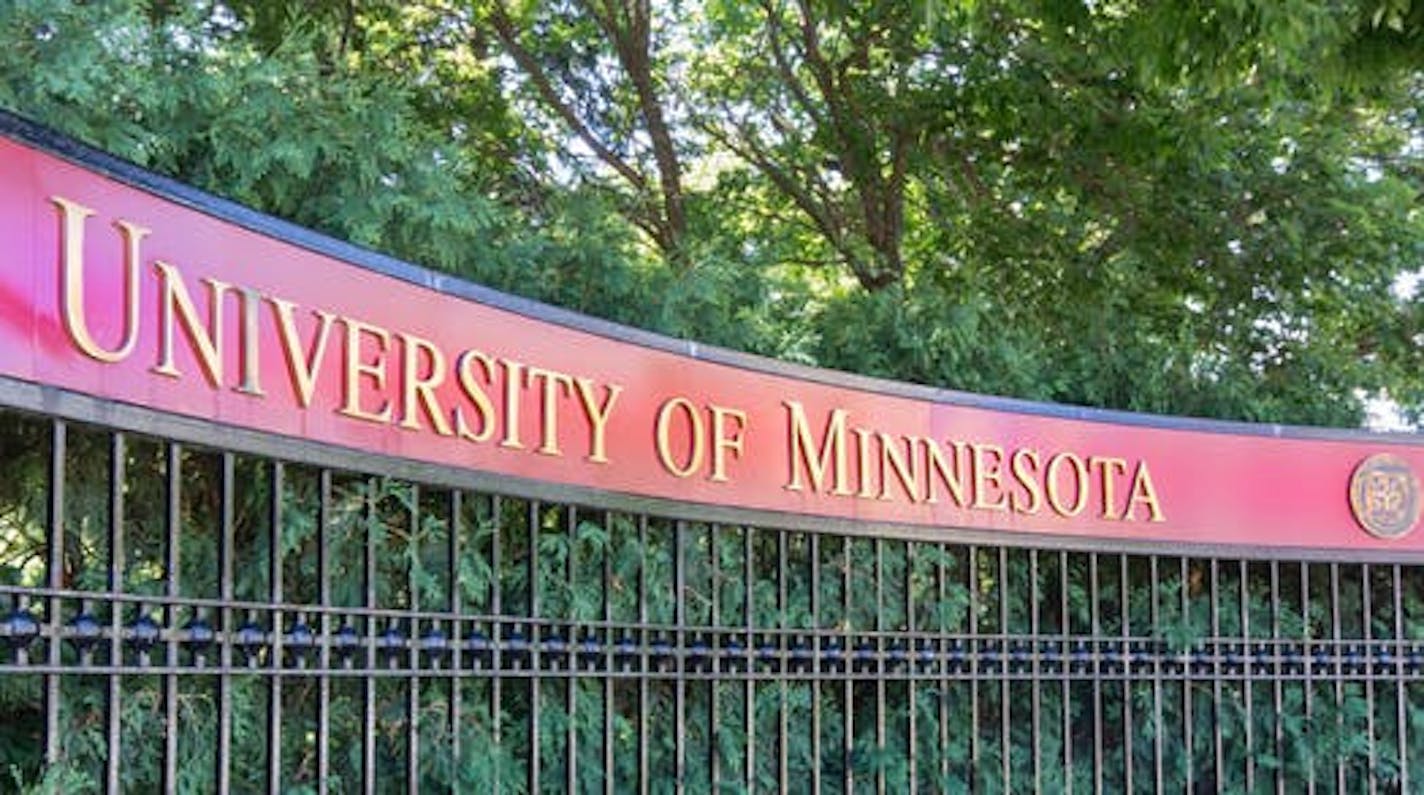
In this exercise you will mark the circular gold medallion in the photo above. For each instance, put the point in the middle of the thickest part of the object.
(1384, 495)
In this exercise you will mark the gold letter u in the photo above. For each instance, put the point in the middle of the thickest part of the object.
(74, 216)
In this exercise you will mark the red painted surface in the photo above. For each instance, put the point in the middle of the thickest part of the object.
(1212, 487)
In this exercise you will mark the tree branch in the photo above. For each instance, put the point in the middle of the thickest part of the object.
(630, 33)
(826, 217)
(783, 64)
(636, 57)
(504, 28)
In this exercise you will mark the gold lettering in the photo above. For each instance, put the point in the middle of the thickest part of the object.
(513, 375)
(862, 462)
(549, 406)
(1080, 476)
(694, 429)
(902, 466)
(1143, 491)
(1106, 468)
(832, 450)
(206, 343)
(597, 417)
(988, 471)
(356, 368)
(419, 392)
(1024, 464)
(724, 439)
(301, 368)
(934, 464)
(477, 396)
(72, 264)
(251, 301)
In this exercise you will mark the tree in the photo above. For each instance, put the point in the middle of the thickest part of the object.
(834, 110)
(1200, 208)
(618, 114)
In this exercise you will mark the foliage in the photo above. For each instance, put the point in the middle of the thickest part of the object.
(576, 568)
(1199, 208)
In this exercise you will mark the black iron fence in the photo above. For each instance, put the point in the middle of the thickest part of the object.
(181, 610)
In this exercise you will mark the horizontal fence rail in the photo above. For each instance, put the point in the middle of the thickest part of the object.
(185, 618)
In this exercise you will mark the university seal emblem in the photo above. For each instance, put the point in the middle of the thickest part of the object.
(1384, 496)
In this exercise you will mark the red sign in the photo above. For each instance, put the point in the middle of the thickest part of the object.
(122, 294)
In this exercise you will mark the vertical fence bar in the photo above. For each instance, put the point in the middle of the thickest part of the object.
(1005, 707)
(171, 513)
(412, 693)
(1366, 591)
(643, 643)
(942, 591)
(1244, 595)
(911, 645)
(1308, 667)
(571, 683)
(496, 635)
(847, 682)
(1277, 694)
(608, 658)
(971, 581)
(1188, 678)
(748, 603)
(368, 580)
(679, 577)
(1218, 764)
(1154, 618)
(54, 544)
(1401, 688)
(714, 647)
(1066, 629)
(323, 576)
(879, 649)
(782, 740)
(1095, 608)
(225, 566)
(816, 646)
(1125, 663)
(275, 595)
(1155, 614)
(1336, 672)
(536, 742)
(1035, 676)
(118, 457)
(455, 604)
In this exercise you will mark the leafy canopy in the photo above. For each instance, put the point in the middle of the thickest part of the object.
(1204, 208)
